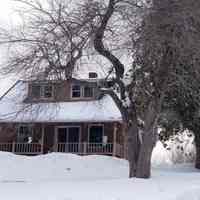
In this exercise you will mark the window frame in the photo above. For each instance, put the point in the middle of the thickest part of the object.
(20, 136)
(42, 91)
(82, 91)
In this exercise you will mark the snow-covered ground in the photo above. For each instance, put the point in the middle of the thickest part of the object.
(70, 177)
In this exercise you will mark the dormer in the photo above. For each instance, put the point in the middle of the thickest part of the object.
(62, 91)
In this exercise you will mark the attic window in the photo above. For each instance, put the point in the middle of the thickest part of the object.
(93, 75)
(76, 91)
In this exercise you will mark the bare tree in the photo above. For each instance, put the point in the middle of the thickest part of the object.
(58, 35)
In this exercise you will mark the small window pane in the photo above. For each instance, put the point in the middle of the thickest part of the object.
(36, 91)
(88, 91)
(76, 91)
(48, 91)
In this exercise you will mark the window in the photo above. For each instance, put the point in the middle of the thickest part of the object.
(76, 91)
(36, 91)
(41, 91)
(25, 134)
(48, 91)
(88, 91)
(82, 91)
(93, 75)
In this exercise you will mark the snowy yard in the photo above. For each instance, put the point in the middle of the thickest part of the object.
(71, 177)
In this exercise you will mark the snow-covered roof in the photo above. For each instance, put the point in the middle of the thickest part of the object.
(12, 109)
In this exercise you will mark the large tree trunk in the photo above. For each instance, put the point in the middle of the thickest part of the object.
(133, 147)
(197, 142)
(144, 159)
(140, 145)
(139, 153)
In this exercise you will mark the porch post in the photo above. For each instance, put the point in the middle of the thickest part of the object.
(42, 141)
(125, 148)
(115, 140)
(13, 147)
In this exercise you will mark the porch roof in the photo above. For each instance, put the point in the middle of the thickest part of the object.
(12, 109)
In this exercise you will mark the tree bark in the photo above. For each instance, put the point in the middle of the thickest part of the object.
(197, 142)
(133, 147)
(144, 160)
(141, 145)
(139, 152)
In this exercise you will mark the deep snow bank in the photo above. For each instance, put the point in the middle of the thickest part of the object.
(59, 176)
(60, 166)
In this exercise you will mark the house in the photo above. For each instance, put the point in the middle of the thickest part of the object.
(70, 116)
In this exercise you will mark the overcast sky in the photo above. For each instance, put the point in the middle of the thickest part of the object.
(6, 11)
(7, 17)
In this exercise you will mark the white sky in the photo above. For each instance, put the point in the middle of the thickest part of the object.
(6, 11)
(7, 18)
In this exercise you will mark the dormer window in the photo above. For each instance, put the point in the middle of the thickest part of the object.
(42, 91)
(35, 91)
(76, 91)
(88, 91)
(82, 91)
(48, 91)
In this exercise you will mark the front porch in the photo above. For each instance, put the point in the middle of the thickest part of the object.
(85, 148)
(76, 138)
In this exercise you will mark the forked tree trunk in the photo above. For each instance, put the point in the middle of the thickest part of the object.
(140, 147)
(139, 153)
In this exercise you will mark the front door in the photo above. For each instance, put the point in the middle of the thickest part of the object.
(68, 139)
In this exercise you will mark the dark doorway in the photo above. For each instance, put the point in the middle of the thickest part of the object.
(62, 135)
(96, 134)
(68, 134)
(68, 139)
(73, 134)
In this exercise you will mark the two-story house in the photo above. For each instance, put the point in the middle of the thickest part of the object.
(60, 116)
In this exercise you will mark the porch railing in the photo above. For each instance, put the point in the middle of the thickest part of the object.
(76, 148)
(22, 148)
(90, 148)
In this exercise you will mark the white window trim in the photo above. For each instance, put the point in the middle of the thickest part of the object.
(71, 89)
(82, 95)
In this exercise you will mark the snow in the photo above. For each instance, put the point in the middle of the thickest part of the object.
(181, 147)
(12, 109)
(5, 83)
(58, 176)
(161, 156)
